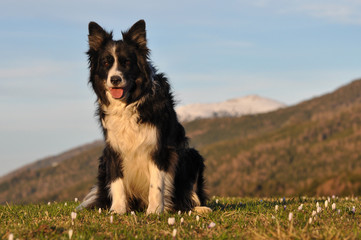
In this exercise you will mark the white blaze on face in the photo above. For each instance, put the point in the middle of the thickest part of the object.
(114, 71)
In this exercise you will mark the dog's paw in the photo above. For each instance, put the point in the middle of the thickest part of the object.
(155, 209)
(201, 210)
(118, 209)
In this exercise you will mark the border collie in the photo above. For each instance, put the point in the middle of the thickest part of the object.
(146, 162)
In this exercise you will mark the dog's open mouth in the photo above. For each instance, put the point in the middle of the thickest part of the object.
(116, 92)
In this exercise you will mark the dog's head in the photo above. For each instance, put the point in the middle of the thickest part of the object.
(119, 69)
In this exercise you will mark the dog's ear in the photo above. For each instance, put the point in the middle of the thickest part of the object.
(97, 36)
(136, 35)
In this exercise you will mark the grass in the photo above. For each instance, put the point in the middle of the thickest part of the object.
(232, 218)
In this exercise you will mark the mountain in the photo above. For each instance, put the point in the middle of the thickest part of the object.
(251, 104)
(312, 148)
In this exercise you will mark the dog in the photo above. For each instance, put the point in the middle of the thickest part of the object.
(147, 163)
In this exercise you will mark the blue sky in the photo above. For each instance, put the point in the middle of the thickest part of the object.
(287, 50)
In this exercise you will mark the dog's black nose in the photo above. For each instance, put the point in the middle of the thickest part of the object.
(115, 80)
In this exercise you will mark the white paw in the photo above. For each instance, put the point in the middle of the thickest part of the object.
(202, 209)
(157, 209)
(118, 208)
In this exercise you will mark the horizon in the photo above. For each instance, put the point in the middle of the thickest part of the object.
(211, 52)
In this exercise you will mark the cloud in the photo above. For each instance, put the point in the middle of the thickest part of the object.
(347, 11)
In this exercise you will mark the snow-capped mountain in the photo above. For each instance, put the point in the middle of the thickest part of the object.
(251, 104)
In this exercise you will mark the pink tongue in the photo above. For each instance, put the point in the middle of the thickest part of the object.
(116, 92)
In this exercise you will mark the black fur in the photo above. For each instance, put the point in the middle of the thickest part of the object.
(155, 107)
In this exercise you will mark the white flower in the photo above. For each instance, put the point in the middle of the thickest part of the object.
(132, 213)
(326, 204)
(100, 210)
(179, 212)
(328, 199)
(65, 204)
(310, 220)
(317, 204)
(111, 218)
(197, 218)
(211, 225)
(70, 233)
(290, 216)
(353, 209)
(189, 213)
(174, 233)
(11, 236)
(300, 207)
(314, 213)
(319, 209)
(76, 199)
(276, 208)
(48, 203)
(182, 220)
(73, 215)
(333, 206)
(217, 201)
(171, 221)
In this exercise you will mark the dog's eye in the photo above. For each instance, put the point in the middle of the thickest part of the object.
(108, 61)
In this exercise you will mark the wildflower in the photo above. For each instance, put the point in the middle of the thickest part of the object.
(290, 216)
(132, 213)
(328, 199)
(73, 216)
(76, 199)
(190, 212)
(182, 220)
(211, 225)
(310, 220)
(353, 210)
(171, 221)
(48, 203)
(317, 204)
(174, 233)
(179, 212)
(313, 213)
(70, 233)
(333, 206)
(65, 204)
(300, 207)
(333, 196)
(197, 218)
(217, 201)
(111, 218)
(100, 210)
(326, 204)
(284, 207)
(319, 209)
(11, 236)
(276, 208)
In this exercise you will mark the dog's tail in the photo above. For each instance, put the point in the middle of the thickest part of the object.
(90, 199)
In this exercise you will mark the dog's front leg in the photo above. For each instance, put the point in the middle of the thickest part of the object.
(156, 190)
(117, 193)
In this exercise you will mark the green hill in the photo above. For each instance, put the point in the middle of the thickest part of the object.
(312, 148)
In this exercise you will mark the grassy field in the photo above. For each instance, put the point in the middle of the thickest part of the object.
(232, 218)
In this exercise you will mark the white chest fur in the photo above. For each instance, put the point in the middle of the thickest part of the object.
(135, 142)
